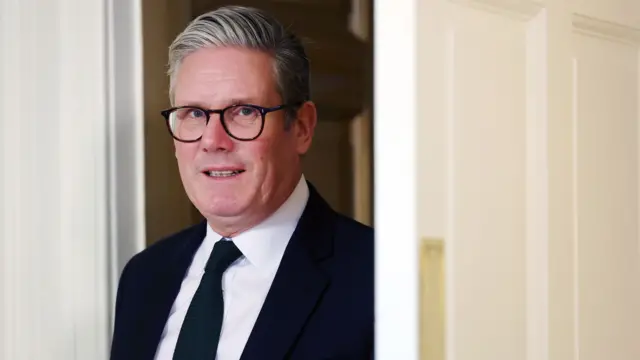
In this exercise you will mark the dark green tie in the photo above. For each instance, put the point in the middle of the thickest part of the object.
(198, 339)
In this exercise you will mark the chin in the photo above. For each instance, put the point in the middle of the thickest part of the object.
(223, 205)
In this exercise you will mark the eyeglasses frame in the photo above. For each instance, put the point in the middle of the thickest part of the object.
(263, 113)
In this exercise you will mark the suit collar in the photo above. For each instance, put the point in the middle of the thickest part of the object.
(316, 227)
(264, 244)
(162, 292)
(298, 285)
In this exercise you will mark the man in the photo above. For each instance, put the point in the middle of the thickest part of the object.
(273, 272)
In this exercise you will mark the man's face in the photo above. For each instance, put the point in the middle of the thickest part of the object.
(269, 166)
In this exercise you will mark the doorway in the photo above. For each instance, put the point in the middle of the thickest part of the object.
(339, 163)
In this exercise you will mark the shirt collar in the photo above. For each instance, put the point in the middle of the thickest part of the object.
(264, 244)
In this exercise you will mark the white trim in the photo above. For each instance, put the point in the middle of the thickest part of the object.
(612, 31)
(395, 131)
(126, 135)
(451, 295)
(72, 172)
(537, 190)
(575, 205)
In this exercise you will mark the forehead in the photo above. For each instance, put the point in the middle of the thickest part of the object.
(217, 76)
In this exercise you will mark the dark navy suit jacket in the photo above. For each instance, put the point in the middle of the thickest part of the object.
(320, 305)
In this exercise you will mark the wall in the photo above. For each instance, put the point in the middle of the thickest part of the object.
(167, 207)
(70, 215)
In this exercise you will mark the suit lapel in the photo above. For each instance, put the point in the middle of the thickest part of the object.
(163, 290)
(298, 285)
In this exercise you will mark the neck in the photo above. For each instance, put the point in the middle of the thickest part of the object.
(230, 227)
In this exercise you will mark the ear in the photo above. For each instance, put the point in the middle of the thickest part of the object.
(304, 126)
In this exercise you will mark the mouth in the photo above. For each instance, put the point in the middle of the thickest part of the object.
(222, 173)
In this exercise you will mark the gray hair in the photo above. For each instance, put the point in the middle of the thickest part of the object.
(253, 29)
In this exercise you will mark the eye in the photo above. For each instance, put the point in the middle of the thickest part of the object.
(246, 111)
(196, 113)
(189, 113)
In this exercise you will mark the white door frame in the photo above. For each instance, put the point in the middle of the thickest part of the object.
(395, 205)
(71, 172)
(125, 133)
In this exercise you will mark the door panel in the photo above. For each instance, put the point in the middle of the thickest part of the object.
(606, 164)
(487, 100)
(528, 171)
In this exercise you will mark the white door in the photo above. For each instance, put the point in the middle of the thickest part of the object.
(527, 120)
(528, 170)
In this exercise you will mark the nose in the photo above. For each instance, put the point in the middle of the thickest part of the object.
(214, 137)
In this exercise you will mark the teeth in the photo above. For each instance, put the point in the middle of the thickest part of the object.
(223, 173)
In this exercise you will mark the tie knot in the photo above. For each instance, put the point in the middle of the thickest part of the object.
(224, 253)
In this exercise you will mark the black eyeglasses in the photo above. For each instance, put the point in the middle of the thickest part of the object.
(243, 122)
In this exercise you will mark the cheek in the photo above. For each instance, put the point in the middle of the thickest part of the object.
(258, 155)
(184, 153)
(266, 159)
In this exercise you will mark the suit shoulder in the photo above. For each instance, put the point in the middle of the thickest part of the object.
(354, 240)
(353, 258)
(354, 229)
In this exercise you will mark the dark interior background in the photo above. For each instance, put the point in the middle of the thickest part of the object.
(337, 35)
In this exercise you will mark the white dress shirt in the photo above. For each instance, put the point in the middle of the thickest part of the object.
(245, 283)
